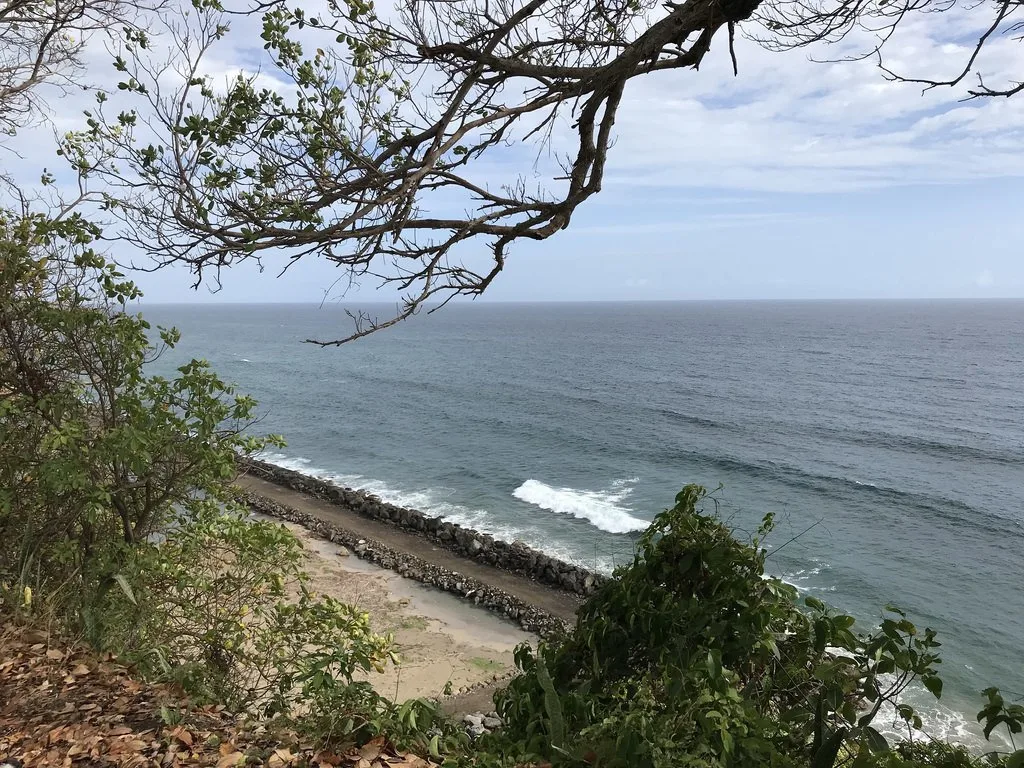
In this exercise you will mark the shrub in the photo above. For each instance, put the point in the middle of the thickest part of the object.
(95, 456)
(115, 495)
(223, 607)
(691, 656)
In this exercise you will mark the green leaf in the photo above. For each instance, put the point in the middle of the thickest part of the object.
(875, 741)
(825, 757)
(552, 704)
(122, 582)
(934, 685)
(1016, 760)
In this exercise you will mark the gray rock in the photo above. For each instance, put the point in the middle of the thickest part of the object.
(491, 723)
(473, 720)
(474, 546)
(476, 731)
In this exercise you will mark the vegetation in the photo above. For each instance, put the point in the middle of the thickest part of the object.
(116, 514)
(692, 656)
(367, 139)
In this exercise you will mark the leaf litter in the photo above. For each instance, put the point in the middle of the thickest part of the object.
(65, 705)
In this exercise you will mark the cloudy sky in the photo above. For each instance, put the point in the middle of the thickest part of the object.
(796, 179)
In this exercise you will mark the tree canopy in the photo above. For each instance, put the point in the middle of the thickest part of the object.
(372, 147)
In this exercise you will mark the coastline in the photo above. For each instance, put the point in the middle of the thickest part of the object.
(455, 617)
(513, 557)
(535, 607)
(440, 639)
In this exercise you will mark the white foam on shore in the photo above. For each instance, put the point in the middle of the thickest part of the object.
(434, 501)
(601, 509)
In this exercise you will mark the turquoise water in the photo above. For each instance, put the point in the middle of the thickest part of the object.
(889, 434)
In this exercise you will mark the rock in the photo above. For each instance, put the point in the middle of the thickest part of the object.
(491, 723)
(474, 546)
(473, 720)
(476, 731)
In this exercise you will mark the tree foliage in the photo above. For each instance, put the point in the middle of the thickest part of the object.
(95, 455)
(374, 149)
(43, 42)
(691, 656)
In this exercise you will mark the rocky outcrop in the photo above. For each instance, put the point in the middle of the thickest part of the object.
(515, 557)
(530, 618)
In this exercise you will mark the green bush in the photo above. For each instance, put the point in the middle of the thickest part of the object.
(95, 456)
(692, 656)
(116, 514)
(222, 607)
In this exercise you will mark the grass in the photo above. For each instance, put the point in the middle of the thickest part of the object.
(419, 623)
(487, 665)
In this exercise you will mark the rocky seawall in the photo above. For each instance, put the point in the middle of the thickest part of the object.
(530, 618)
(515, 557)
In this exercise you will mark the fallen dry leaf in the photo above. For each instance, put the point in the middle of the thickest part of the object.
(80, 670)
(231, 759)
(280, 758)
(183, 735)
(326, 758)
(372, 749)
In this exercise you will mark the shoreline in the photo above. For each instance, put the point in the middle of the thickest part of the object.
(514, 557)
(536, 608)
(455, 618)
(440, 639)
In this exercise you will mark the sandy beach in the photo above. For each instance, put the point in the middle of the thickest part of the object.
(440, 639)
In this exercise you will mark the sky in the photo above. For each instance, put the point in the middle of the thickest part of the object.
(795, 180)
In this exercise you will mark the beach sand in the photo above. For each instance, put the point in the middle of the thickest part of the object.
(439, 638)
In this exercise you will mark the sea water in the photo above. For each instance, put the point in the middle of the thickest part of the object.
(887, 437)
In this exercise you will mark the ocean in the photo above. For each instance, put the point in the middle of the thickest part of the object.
(888, 437)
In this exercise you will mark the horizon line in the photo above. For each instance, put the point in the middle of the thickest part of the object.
(475, 302)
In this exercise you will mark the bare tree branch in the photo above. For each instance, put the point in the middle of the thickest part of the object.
(371, 153)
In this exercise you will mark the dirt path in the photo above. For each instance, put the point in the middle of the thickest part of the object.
(560, 604)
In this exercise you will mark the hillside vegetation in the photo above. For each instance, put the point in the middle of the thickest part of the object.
(117, 526)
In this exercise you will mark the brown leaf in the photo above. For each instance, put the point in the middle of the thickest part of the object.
(80, 670)
(372, 749)
(280, 758)
(327, 758)
(120, 730)
(231, 759)
(183, 735)
(55, 653)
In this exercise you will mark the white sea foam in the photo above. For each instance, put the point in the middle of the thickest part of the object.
(600, 508)
(435, 501)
